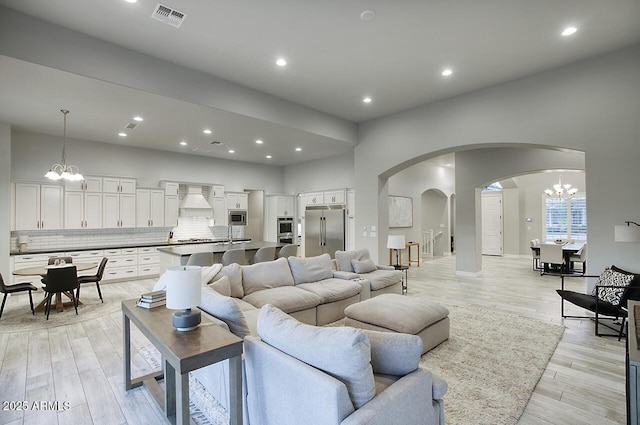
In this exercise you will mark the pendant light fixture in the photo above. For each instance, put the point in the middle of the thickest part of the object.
(62, 170)
(561, 190)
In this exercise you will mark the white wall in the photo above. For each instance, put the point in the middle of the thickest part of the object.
(330, 173)
(33, 154)
(590, 106)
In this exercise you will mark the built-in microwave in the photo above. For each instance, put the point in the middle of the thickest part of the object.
(237, 218)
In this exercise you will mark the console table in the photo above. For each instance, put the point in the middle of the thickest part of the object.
(182, 352)
(407, 245)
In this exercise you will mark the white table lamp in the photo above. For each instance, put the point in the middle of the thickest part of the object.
(183, 293)
(396, 242)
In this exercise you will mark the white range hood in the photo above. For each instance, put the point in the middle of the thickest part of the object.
(194, 204)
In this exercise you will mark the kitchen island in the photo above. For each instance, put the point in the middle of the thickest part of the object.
(179, 255)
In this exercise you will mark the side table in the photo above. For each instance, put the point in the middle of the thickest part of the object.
(405, 277)
(182, 352)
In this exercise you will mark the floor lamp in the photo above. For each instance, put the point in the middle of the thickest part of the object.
(396, 242)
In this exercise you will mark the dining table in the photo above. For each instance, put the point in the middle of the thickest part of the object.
(42, 271)
(568, 249)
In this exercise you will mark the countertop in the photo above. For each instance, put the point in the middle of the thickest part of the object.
(123, 245)
(217, 248)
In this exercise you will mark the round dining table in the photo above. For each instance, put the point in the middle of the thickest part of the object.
(42, 271)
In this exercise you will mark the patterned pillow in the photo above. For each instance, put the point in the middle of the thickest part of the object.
(611, 277)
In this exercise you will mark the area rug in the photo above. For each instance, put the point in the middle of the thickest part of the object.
(492, 363)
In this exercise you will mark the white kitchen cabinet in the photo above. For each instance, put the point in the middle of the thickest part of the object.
(217, 191)
(237, 201)
(150, 208)
(122, 264)
(284, 206)
(219, 211)
(38, 206)
(118, 185)
(334, 197)
(24, 261)
(148, 261)
(90, 257)
(89, 184)
(82, 210)
(118, 210)
(171, 210)
(171, 188)
(314, 198)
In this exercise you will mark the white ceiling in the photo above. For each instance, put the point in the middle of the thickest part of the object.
(335, 59)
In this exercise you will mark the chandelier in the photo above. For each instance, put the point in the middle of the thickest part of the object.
(561, 190)
(62, 170)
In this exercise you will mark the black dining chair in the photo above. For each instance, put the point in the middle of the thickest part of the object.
(52, 261)
(15, 288)
(59, 280)
(94, 278)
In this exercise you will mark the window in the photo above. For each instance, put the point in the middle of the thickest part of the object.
(566, 218)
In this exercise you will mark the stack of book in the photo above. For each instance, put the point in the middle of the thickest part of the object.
(152, 299)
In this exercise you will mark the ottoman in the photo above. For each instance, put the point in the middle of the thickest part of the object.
(397, 313)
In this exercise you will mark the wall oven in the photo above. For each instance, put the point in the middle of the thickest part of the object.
(285, 230)
(237, 218)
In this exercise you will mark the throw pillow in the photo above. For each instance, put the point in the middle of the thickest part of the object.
(225, 309)
(234, 272)
(222, 286)
(266, 275)
(343, 259)
(310, 269)
(363, 266)
(342, 352)
(208, 273)
(616, 283)
(394, 353)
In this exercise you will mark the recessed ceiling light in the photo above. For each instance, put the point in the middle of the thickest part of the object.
(131, 1)
(207, 131)
(183, 143)
(367, 100)
(138, 118)
(446, 72)
(569, 31)
(231, 151)
(259, 142)
(268, 157)
(281, 62)
(367, 15)
(122, 134)
(298, 149)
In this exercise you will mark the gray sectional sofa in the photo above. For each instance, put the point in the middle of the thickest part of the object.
(358, 264)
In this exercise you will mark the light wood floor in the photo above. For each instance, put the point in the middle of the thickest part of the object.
(81, 364)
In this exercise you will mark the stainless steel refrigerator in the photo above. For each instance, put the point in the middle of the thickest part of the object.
(324, 230)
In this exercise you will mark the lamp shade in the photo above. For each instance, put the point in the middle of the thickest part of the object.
(183, 287)
(627, 233)
(395, 242)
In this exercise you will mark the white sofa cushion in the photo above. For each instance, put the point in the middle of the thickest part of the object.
(363, 266)
(342, 352)
(234, 273)
(287, 298)
(221, 286)
(394, 353)
(266, 275)
(344, 258)
(310, 269)
(225, 309)
(331, 290)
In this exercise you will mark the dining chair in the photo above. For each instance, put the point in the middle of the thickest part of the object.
(59, 280)
(202, 259)
(52, 261)
(233, 256)
(13, 289)
(580, 257)
(93, 278)
(551, 255)
(290, 250)
(535, 253)
(266, 253)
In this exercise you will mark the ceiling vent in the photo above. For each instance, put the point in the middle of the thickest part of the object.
(168, 15)
(216, 143)
(131, 126)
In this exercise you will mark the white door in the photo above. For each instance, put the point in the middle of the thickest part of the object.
(492, 223)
